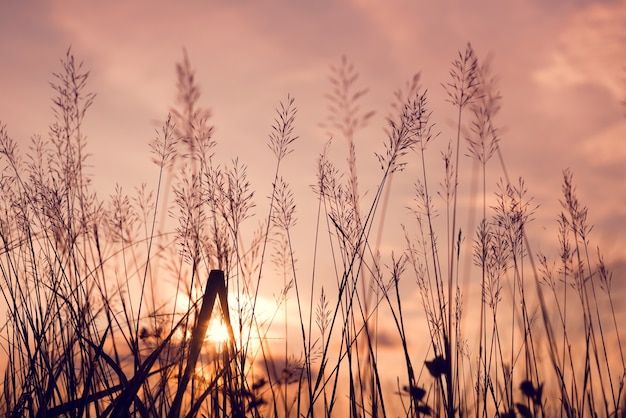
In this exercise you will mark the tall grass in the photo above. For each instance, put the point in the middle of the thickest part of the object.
(109, 303)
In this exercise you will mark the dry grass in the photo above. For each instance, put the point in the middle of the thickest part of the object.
(88, 331)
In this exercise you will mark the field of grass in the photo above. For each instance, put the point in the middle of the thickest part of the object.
(89, 332)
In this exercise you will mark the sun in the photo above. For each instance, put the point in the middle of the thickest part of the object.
(217, 331)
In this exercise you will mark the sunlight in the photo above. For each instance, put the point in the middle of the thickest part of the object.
(217, 332)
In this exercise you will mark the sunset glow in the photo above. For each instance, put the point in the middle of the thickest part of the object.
(217, 332)
(412, 207)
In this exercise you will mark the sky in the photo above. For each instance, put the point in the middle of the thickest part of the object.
(560, 68)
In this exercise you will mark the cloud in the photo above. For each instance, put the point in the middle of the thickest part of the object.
(591, 48)
(605, 148)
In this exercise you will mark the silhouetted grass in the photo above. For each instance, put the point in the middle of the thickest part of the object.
(108, 302)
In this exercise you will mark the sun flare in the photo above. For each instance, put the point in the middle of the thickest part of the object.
(217, 331)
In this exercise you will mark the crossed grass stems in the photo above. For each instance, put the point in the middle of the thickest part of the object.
(89, 332)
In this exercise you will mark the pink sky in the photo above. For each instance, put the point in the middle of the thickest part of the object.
(560, 66)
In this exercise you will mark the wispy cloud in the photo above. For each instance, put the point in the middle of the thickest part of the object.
(590, 49)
